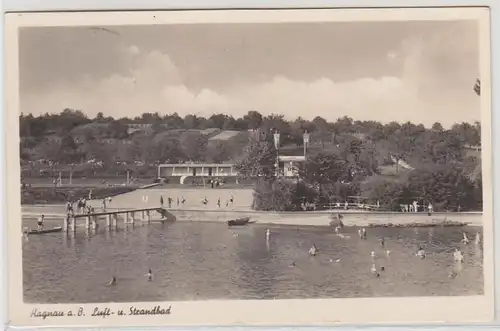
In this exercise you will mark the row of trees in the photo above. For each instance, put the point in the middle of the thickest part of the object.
(345, 157)
(353, 169)
(76, 137)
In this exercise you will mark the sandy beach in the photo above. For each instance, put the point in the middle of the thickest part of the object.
(310, 218)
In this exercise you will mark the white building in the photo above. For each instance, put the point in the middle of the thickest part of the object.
(288, 168)
(289, 165)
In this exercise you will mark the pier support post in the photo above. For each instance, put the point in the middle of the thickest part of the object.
(127, 218)
(65, 224)
(108, 221)
(114, 221)
(73, 224)
(94, 222)
(148, 216)
(87, 222)
(132, 218)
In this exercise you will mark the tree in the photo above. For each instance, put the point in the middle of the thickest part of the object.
(191, 121)
(323, 168)
(258, 159)
(193, 145)
(117, 130)
(218, 151)
(275, 195)
(254, 119)
(437, 127)
(446, 186)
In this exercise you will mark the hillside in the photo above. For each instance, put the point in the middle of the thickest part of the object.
(110, 147)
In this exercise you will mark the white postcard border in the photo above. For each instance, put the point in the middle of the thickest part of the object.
(248, 312)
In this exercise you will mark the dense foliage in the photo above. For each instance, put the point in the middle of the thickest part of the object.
(390, 163)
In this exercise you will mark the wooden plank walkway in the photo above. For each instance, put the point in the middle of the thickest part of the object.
(129, 217)
(121, 211)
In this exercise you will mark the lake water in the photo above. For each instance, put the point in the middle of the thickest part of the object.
(204, 260)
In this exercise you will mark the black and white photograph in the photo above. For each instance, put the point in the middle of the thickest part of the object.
(304, 165)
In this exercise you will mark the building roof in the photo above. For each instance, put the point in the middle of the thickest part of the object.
(299, 158)
(196, 165)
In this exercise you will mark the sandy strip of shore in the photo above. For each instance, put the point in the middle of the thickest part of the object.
(319, 218)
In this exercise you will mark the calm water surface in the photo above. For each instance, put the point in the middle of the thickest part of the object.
(200, 261)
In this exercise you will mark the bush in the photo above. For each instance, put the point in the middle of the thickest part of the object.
(274, 195)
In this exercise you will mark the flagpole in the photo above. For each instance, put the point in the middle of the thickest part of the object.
(276, 137)
(306, 141)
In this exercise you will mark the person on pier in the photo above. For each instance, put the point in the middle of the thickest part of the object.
(69, 206)
(161, 201)
(170, 202)
(40, 222)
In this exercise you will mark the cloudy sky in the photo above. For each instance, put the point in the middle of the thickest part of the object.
(417, 71)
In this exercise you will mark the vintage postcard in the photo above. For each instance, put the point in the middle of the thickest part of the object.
(249, 167)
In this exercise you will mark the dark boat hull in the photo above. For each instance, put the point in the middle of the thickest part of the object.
(239, 221)
(56, 229)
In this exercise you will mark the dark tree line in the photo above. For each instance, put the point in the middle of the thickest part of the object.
(391, 162)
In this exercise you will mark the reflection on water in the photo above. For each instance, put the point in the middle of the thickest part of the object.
(198, 261)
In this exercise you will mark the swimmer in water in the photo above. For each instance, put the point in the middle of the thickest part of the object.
(313, 250)
(150, 275)
(421, 252)
(372, 254)
(373, 269)
(382, 242)
(458, 256)
(382, 268)
(268, 234)
(112, 281)
(293, 264)
(465, 239)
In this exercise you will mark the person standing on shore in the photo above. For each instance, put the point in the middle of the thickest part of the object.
(218, 202)
(69, 207)
(104, 204)
(40, 222)
(161, 200)
(430, 208)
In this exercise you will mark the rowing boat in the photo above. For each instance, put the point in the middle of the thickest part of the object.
(239, 221)
(56, 229)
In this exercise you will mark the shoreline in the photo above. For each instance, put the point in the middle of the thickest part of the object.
(309, 218)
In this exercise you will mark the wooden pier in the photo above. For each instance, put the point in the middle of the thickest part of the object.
(129, 217)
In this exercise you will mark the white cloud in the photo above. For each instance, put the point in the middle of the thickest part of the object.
(155, 84)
